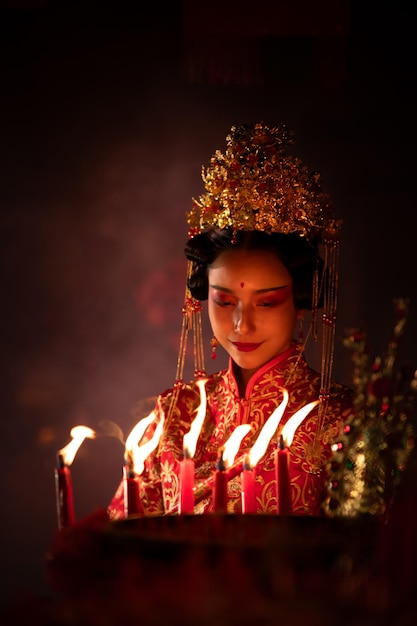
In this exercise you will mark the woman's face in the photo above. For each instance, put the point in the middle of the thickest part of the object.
(251, 306)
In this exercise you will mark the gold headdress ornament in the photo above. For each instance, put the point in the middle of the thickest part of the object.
(257, 185)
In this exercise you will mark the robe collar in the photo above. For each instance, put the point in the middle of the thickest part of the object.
(278, 366)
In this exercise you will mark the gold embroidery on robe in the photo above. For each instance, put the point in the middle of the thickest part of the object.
(309, 452)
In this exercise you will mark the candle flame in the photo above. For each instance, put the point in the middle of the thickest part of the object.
(137, 433)
(190, 438)
(78, 434)
(231, 446)
(268, 429)
(141, 453)
(295, 420)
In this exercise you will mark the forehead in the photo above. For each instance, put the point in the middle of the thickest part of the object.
(256, 269)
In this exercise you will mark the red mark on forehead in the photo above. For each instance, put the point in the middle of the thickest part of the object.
(242, 285)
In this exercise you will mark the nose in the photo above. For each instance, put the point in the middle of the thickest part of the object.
(242, 322)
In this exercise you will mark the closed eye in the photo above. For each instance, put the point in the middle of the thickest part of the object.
(223, 303)
(267, 304)
(274, 299)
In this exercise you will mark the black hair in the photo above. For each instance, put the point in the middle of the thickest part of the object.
(299, 257)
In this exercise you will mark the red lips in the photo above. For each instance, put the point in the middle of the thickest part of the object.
(246, 347)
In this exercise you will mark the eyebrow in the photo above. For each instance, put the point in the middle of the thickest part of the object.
(226, 290)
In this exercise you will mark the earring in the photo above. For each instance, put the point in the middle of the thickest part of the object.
(214, 343)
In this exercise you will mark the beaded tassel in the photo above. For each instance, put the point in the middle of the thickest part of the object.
(191, 321)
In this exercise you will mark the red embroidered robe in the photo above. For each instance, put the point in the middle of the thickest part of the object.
(310, 449)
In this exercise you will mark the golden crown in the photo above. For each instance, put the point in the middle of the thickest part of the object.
(256, 185)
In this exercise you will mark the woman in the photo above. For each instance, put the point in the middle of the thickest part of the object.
(254, 252)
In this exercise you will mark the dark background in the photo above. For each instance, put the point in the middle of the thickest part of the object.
(107, 115)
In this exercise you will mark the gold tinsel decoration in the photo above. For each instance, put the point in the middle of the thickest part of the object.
(374, 446)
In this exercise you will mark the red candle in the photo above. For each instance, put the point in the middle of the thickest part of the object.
(186, 484)
(282, 468)
(186, 499)
(220, 486)
(63, 481)
(64, 495)
(135, 456)
(282, 460)
(133, 504)
(247, 479)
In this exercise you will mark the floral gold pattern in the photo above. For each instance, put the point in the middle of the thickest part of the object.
(310, 450)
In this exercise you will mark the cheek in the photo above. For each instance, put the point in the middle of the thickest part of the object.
(219, 318)
(211, 313)
(281, 319)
